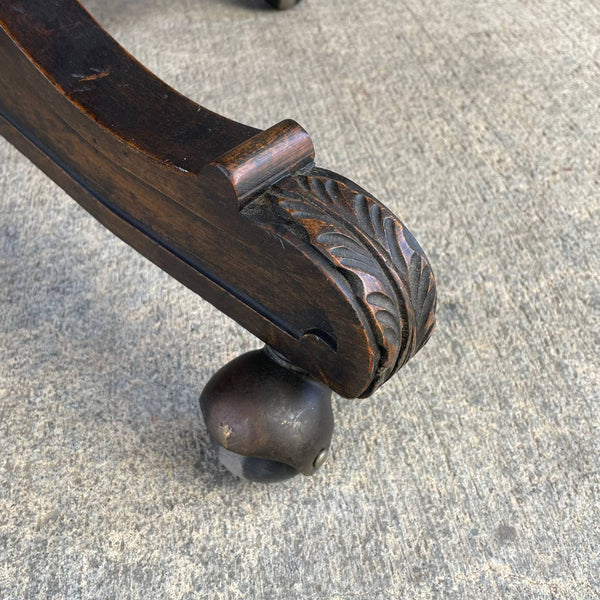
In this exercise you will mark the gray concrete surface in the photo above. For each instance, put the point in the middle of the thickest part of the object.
(475, 472)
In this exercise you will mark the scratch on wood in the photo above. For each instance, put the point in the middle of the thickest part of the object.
(85, 88)
(95, 76)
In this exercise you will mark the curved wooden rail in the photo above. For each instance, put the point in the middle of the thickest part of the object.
(301, 257)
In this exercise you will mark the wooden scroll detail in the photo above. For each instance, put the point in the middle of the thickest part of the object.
(381, 260)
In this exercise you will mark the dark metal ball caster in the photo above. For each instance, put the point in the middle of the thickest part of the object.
(283, 4)
(267, 420)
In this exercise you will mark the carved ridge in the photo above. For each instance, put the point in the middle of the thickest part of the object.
(385, 266)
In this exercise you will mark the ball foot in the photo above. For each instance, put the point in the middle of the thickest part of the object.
(267, 420)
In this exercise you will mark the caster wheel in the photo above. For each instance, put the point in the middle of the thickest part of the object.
(267, 420)
(283, 4)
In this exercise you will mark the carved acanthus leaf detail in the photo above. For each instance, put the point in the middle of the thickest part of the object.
(384, 264)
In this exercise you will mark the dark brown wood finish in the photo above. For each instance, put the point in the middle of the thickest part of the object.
(301, 257)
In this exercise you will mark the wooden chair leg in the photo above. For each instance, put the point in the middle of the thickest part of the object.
(331, 281)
